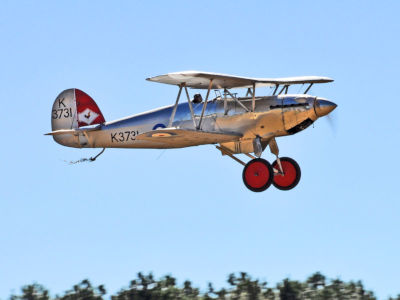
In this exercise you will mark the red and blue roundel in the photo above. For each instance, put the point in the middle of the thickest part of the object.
(159, 125)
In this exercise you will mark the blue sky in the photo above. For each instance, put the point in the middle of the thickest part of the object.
(186, 211)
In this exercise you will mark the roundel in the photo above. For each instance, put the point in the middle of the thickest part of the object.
(159, 125)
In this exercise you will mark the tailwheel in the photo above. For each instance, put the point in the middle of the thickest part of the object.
(290, 176)
(258, 175)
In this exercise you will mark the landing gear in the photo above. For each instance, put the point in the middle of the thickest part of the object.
(290, 175)
(257, 175)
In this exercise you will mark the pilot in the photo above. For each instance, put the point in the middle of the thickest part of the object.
(197, 98)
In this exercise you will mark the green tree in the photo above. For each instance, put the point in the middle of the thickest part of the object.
(32, 292)
(244, 287)
(189, 292)
(84, 291)
(316, 280)
(146, 288)
(241, 287)
(290, 290)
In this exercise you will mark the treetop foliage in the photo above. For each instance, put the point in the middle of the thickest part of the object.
(240, 287)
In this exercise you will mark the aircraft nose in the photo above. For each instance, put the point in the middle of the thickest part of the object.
(323, 107)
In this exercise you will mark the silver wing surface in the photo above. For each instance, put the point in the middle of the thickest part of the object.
(176, 138)
(201, 80)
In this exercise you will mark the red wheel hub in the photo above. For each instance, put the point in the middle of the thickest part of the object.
(289, 174)
(257, 174)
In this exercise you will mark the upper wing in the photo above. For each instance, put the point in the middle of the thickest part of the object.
(201, 80)
(176, 138)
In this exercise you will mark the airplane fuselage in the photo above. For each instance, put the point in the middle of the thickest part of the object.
(273, 116)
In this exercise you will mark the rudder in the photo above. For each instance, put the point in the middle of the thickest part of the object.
(72, 109)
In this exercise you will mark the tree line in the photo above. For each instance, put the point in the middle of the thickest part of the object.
(240, 287)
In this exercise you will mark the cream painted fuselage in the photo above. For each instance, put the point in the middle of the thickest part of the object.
(274, 116)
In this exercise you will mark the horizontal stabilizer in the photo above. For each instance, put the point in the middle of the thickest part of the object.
(176, 138)
(75, 131)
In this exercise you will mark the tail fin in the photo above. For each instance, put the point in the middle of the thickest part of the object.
(73, 109)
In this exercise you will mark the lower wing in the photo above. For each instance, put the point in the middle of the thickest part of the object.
(175, 138)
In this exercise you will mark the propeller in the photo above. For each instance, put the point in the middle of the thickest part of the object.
(325, 108)
(332, 119)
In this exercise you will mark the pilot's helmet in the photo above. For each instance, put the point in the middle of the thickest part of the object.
(197, 98)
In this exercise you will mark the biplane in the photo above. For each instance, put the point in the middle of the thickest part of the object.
(235, 125)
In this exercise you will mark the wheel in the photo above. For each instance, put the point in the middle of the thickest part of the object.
(291, 174)
(257, 175)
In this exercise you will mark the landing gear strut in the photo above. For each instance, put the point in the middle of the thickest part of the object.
(287, 171)
(290, 176)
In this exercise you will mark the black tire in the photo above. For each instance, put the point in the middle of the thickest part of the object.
(291, 182)
(251, 172)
